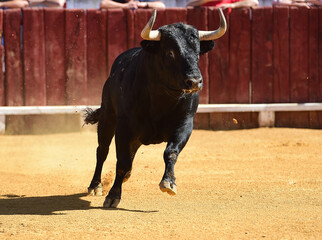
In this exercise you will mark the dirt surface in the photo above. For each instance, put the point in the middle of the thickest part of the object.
(245, 184)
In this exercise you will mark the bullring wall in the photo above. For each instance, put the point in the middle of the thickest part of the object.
(268, 55)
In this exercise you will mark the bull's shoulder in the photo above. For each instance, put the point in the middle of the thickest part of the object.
(125, 58)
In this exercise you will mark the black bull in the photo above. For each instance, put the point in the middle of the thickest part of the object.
(151, 96)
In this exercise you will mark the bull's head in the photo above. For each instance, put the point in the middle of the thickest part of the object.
(178, 47)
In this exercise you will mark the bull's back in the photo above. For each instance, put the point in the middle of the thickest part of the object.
(121, 76)
(125, 62)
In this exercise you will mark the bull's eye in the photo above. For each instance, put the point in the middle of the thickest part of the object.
(170, 54)
(193, 39)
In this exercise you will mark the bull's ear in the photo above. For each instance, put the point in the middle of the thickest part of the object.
(150, 46)
(206, 46)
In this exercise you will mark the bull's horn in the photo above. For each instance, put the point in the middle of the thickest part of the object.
(147, 32)
(212, 35)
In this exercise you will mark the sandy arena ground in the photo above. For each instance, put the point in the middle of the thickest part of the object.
(245, 184)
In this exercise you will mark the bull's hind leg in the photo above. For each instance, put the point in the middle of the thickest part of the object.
(171, 153)
(105, 133)
(125, 151)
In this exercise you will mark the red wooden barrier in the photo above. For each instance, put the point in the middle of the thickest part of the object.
(13, 60)
(2, 98)
(97, 67)
(319, 114)
(314, 83)
(262, 63)
(173, 15)
(219, 70)
(240, 66)
(34, 56)
(130, 28)
(219, 61)
(299, 46)
(75, 42)
(116, 34)
(67, 55)
(262, 58)
(55, 56)
(281, 86)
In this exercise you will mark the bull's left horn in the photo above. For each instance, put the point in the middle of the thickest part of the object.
(212, 35)
(147, 32)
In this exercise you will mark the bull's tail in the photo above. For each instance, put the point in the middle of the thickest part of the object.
(91, 116)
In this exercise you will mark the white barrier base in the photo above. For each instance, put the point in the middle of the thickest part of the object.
(266, 117)
(2, 124)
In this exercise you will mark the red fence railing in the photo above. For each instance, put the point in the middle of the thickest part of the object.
(268, 55)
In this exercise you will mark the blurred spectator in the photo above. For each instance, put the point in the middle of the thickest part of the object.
(47, 3)
(224, 3)
(83, 4)
(132, 4)
(13, 3)
(300, 3)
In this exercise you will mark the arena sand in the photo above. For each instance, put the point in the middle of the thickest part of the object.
(245, 184)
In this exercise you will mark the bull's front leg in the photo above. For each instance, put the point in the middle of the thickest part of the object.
(171, 153)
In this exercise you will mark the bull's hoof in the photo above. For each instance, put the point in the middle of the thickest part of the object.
(170, 188)
(97, 191)
(111, 203)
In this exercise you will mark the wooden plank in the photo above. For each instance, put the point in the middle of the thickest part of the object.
(174, 15)
(2, 92)
(75, 56)
(13, 59)
(218, 61)
(219, 70)
(116, 34)
(281, 62)
(320, 55)
(299, 73)
(233, 120)
(314, 83)
(55, 56)
(97, 68)
(320, 64)
(130, 28)
(240, 62)
(34, 56)
(201, 121)
(239, 57)
(262, 52)
(198, 18)
(281, 66)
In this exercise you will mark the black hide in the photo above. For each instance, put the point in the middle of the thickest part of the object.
(151, 96)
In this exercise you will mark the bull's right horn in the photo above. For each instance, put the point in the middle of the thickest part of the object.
(212, 35)
(147, 32)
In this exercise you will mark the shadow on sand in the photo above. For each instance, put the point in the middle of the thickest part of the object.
(49, 205)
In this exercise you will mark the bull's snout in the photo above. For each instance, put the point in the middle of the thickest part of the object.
(193, 84)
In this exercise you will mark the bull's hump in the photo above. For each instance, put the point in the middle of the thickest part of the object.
(123, 61)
